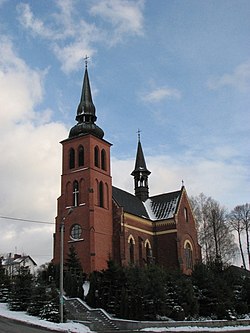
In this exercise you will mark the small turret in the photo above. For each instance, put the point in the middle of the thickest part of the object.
(141, 174)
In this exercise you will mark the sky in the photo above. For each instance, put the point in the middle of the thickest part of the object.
(177, 70)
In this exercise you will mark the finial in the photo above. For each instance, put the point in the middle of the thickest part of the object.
(86, 61)
(139, 134)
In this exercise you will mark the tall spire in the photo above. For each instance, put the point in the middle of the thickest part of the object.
(140, 173)
(85, 116)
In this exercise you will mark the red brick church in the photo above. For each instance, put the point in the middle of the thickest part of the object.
(104, 222)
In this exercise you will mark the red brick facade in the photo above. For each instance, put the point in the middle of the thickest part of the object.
(164, 242)
(105, 223)
(90, 207)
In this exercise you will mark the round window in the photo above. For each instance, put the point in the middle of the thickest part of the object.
(76, 231)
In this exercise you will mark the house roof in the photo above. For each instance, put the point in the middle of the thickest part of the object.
(130, 203)
(158, 207)
(17, 261)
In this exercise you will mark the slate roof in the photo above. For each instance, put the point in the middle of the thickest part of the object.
(159, 207)
(129, 202)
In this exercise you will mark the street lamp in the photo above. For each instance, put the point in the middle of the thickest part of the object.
(61, 264)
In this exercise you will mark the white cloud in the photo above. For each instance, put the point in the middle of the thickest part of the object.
(214, 177)
(30, 155)
(125, 16)
(161, 93)
(32, 23)
(239, 79)
(72, 37)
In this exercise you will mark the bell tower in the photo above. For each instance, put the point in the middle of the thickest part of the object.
(85, 203)
(140, 174)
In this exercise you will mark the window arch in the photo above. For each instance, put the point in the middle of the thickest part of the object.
(101, 195)
(186, 214)
(75, 193)
(188, 253)
(96, 155)
(80, 156)
(148, 252)
(68, 194)
(103, 160)
(71, 158)
(131, 243)
(140, 250)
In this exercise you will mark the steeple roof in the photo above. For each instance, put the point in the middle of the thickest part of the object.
(140, 164)
(86, 105)
(85, 116)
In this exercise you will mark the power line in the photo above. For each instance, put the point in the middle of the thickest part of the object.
(24, 220)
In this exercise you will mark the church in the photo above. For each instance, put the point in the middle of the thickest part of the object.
(104, 222)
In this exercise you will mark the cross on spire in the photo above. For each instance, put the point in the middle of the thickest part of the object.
(86, 61)
(139, 134)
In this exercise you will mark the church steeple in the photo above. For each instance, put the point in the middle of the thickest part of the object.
(85, 116)
(141, 174)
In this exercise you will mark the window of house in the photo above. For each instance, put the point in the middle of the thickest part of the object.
(148, 253)
(186, 214)
(96, 153)
(76, 231)
(140, 247)
(131, 251)
(103, 159)
(188, 256)
(80, 156)
(75, 193)
(101, 196)
(71, 158)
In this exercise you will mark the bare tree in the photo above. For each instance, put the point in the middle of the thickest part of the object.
(236, 223)
(215, 237)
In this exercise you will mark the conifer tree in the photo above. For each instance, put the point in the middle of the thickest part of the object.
(20, 292)
(50, 310)
(4, 284)
(74, 276)
(38, 299)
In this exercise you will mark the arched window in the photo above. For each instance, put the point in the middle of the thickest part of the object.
(131, 250)
(75, 193)
(101, 197)
(148, 252)
(96, 152)
(71, 158)
(186, 214)
(103, 160)
(80, 156)
(188, 255)
(140, 247)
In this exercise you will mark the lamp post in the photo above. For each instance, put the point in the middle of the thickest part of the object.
(61, 263)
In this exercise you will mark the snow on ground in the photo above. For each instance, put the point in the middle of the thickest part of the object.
(69, 327)
(197, 329)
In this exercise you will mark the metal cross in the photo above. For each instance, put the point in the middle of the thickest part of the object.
(139, 134)
(86, 61)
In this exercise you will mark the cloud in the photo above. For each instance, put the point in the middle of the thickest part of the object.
(239, 79)
(214, 177)
(30, 155)
(70, 37)
(161, 93)
(125, 16)
(36, 26)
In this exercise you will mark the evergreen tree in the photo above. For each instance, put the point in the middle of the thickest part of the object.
(20, 292)
(38, 299)
(4, 284)
(50, 310)
(74, 276)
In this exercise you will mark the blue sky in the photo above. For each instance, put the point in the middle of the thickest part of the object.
(177, 70)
